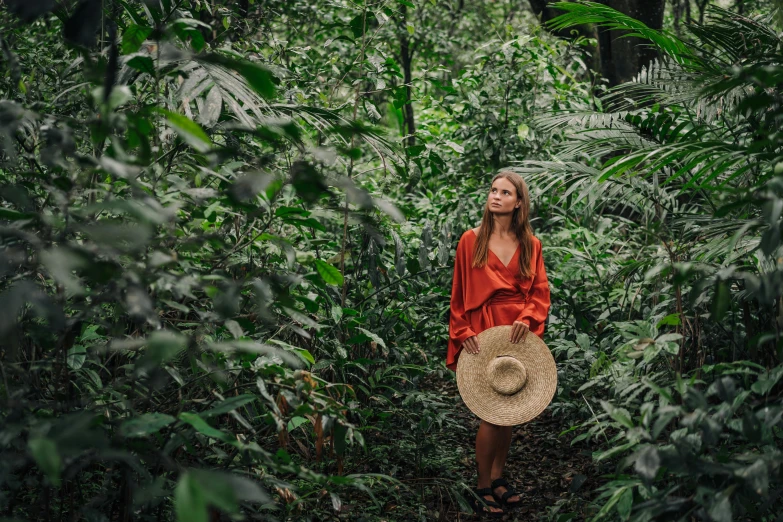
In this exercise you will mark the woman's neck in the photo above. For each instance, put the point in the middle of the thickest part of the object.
(502, 225)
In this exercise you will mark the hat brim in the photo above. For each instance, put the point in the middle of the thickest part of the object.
(494, 407)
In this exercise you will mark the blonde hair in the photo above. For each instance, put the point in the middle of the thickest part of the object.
(520, 225)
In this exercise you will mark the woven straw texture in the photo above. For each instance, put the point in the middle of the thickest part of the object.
(507, 384)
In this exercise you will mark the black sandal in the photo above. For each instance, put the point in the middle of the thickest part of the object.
(481, 506)
(503, 499)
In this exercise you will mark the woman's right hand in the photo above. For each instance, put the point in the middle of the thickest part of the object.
(471, 345)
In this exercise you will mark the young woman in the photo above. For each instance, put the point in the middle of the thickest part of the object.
(499, 279)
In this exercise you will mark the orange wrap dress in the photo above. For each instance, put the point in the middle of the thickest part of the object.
(494, 295)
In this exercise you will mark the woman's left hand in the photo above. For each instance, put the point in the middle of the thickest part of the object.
(519, 331)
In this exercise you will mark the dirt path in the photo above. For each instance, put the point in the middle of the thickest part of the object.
(545, 468)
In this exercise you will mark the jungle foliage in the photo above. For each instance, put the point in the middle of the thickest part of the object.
(227, 231)
(671, 184)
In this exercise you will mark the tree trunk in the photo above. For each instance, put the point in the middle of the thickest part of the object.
(623, 58)
(545, 14)
(677, 11)
(406, 55)
(542, 11)
(620, 59)
(702, 5)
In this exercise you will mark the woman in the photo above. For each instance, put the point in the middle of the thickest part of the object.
(499, 279)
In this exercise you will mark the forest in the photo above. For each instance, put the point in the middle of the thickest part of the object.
(227, 239)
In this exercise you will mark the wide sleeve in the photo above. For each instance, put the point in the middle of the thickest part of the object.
(537, 304)
(459, 327)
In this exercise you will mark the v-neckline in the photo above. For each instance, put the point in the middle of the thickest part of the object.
(497, 256)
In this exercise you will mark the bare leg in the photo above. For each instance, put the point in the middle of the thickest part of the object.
(499, 463)
(487, 441)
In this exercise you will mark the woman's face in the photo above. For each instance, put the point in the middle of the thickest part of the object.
(503, 197)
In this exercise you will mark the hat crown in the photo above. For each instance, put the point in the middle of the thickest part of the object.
(506, 374)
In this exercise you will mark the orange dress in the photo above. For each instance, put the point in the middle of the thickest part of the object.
(494, 295)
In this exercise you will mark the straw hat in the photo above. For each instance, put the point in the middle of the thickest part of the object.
(507, 384)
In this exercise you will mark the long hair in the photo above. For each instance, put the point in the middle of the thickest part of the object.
(520, 225)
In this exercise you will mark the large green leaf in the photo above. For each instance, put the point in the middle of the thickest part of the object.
(204, 428)
(329, 273)
(228, 405)
(133, 36)
(145, 424)
(44, 452)
(257, 76)
(190, 501)
(188, 130)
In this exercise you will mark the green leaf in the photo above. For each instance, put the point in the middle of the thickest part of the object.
(663, 392)
(647, 462)
(247, 490)
(328, 273)
(145, 424)
(188, 130)
(523, 131)
(76, 356)
(205, 429)
(61, 264)
(190, 501)
(213, 106)
(295, 422)
(133, 37)
(372, 336)
(339, 435)
(259, 77)
(613, 500)
(721, 301)
(306, 355)
(455, 146)
(767, 381)
(621, 415)
(756, 476)
(216, 489)
(143, 64)
(665, 338)
(228, 405)
(226, 490)
(357, 25)
(336, 313)
(44, 452)
(13, 215)
(611, 452)
(309, 182)
(669, 320)
(625, 503)
(720, 509)
(162, 346)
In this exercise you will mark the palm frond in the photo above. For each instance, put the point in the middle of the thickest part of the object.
(579, 13)
(729, 39)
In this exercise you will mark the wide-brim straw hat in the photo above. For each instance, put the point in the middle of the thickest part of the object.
(507, 384)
